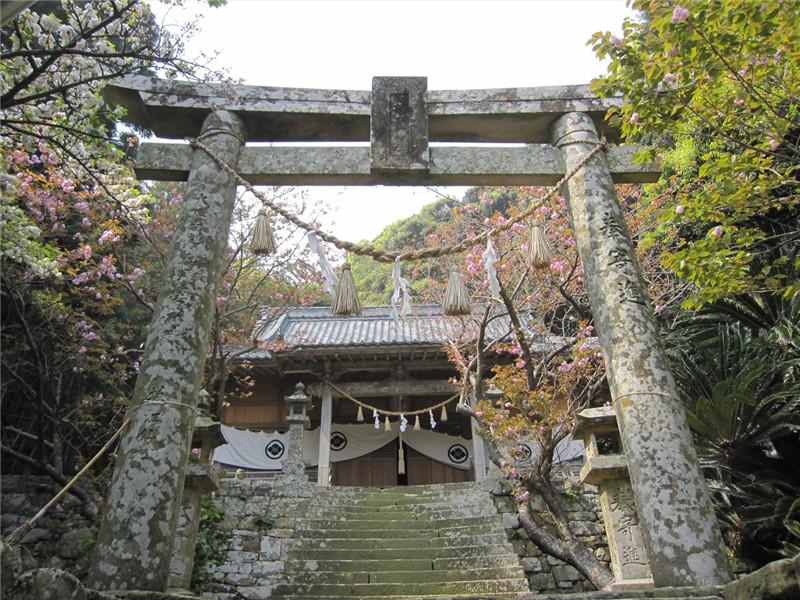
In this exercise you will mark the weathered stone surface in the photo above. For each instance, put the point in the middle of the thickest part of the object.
(534, 164)
(779, 580)
(399, 125)
(37, 534)
(678, 523)
(136, 537)
(75, 542)
(48, 584)
(62, 538)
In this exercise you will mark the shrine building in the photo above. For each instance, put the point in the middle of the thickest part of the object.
(396, 365)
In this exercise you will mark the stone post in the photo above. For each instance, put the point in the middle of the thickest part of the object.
(135, 541)
(201, 480)
(680, 530)
(324, 462)
(607, 469)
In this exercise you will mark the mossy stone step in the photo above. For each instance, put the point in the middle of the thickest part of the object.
(404, 589)
(393, 553)
(468, 596)
(407, 512)
(423, 541)
(404, 577)
(372, 524)
(384, 533)
(510, 560)
(397, 564)
(451, 575)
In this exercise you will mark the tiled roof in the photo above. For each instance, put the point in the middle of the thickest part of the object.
(316, 327)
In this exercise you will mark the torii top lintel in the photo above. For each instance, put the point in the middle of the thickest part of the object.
(176, 109)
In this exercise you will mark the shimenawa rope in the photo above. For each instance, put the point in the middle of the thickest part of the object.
(391, 413)
(389, 256)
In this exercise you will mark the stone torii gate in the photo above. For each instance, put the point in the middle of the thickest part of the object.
(399, 118)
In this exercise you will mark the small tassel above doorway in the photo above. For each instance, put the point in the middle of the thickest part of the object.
(360, 415)
(387, 426)
(346, 301)
(262, 241)
(443, 418)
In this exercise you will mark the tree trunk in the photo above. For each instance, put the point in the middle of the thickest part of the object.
(571, 551)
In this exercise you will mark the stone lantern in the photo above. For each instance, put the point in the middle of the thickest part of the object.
(607, 468)
(297, 418)
(298, 404)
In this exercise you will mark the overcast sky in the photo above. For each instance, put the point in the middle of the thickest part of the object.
(455, 44)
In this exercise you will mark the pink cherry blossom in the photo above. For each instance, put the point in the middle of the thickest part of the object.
(679, 14)
(680, 209)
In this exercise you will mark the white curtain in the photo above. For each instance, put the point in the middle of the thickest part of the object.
(265, 451)
(448, 449)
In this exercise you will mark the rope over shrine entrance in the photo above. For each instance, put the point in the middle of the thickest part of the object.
(389, 256)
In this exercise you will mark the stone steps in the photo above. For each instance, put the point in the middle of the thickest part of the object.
(443, 541)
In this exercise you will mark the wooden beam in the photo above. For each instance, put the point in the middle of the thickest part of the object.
(535, 164)
(409, 387)
(175, 109)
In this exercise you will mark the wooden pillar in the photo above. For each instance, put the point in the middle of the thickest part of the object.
(478, 452)
(324, 464)
(677, 518)
(135, 540)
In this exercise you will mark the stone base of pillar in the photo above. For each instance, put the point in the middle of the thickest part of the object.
(631, 585)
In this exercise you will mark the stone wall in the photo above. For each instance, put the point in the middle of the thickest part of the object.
(545, 573)
(62, 538)
(259, 519)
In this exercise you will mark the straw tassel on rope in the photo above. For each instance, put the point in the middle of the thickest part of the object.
(401, 459)
(360, 416)
(386, 425)
(540, 253)
(456, 298)
(261, 239)
(443, 418)
(416, 424)
(346, 301)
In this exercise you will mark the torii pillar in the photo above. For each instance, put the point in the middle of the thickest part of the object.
(677, 519)
(135, 541)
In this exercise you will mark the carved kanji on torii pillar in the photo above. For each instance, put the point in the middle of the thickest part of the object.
(555, 127)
